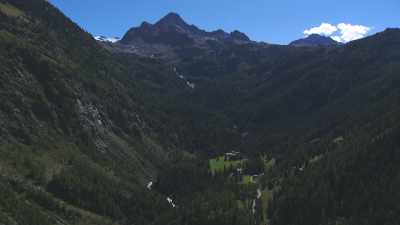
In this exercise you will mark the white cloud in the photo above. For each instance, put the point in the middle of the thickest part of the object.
(350, 32)
(342, 32)
(337, 38)
(323, 29)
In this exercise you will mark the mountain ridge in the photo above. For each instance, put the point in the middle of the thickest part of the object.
(173, 23)
(171, 39)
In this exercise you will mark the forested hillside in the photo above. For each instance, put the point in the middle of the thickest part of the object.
(75, 119)
(217, 129)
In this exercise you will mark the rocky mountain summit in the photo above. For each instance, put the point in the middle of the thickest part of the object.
(315, 40)
(171, 36)
(172, 30)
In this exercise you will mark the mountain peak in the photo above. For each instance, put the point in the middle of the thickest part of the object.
(172, 18)
(314, 40)
(173, 15)
(239, 36)
(316, 36)
(145, 24)
(172, 30)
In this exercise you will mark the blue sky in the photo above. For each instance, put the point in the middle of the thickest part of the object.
(273, 21)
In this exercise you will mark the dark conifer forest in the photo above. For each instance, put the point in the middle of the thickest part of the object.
(191, 127)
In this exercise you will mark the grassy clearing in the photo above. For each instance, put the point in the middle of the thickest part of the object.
(219, 164)
(266, 196)
(265, 199)
(244, 204)
(246, 179)
(10, 10)
(240, 204)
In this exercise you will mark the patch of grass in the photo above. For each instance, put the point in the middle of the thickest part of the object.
(240, 204)
(6, 37)
(246, 179)
(265, 199)
(244, 204)
(219, 164)
(10, 10)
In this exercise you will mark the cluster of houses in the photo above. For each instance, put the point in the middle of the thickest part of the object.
(232, 156)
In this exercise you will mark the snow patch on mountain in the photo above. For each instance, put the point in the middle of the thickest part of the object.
(107, 39)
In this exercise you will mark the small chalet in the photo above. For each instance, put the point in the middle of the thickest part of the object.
(233, 155)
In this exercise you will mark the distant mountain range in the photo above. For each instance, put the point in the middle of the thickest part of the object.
(174, 31)
(171, 37)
